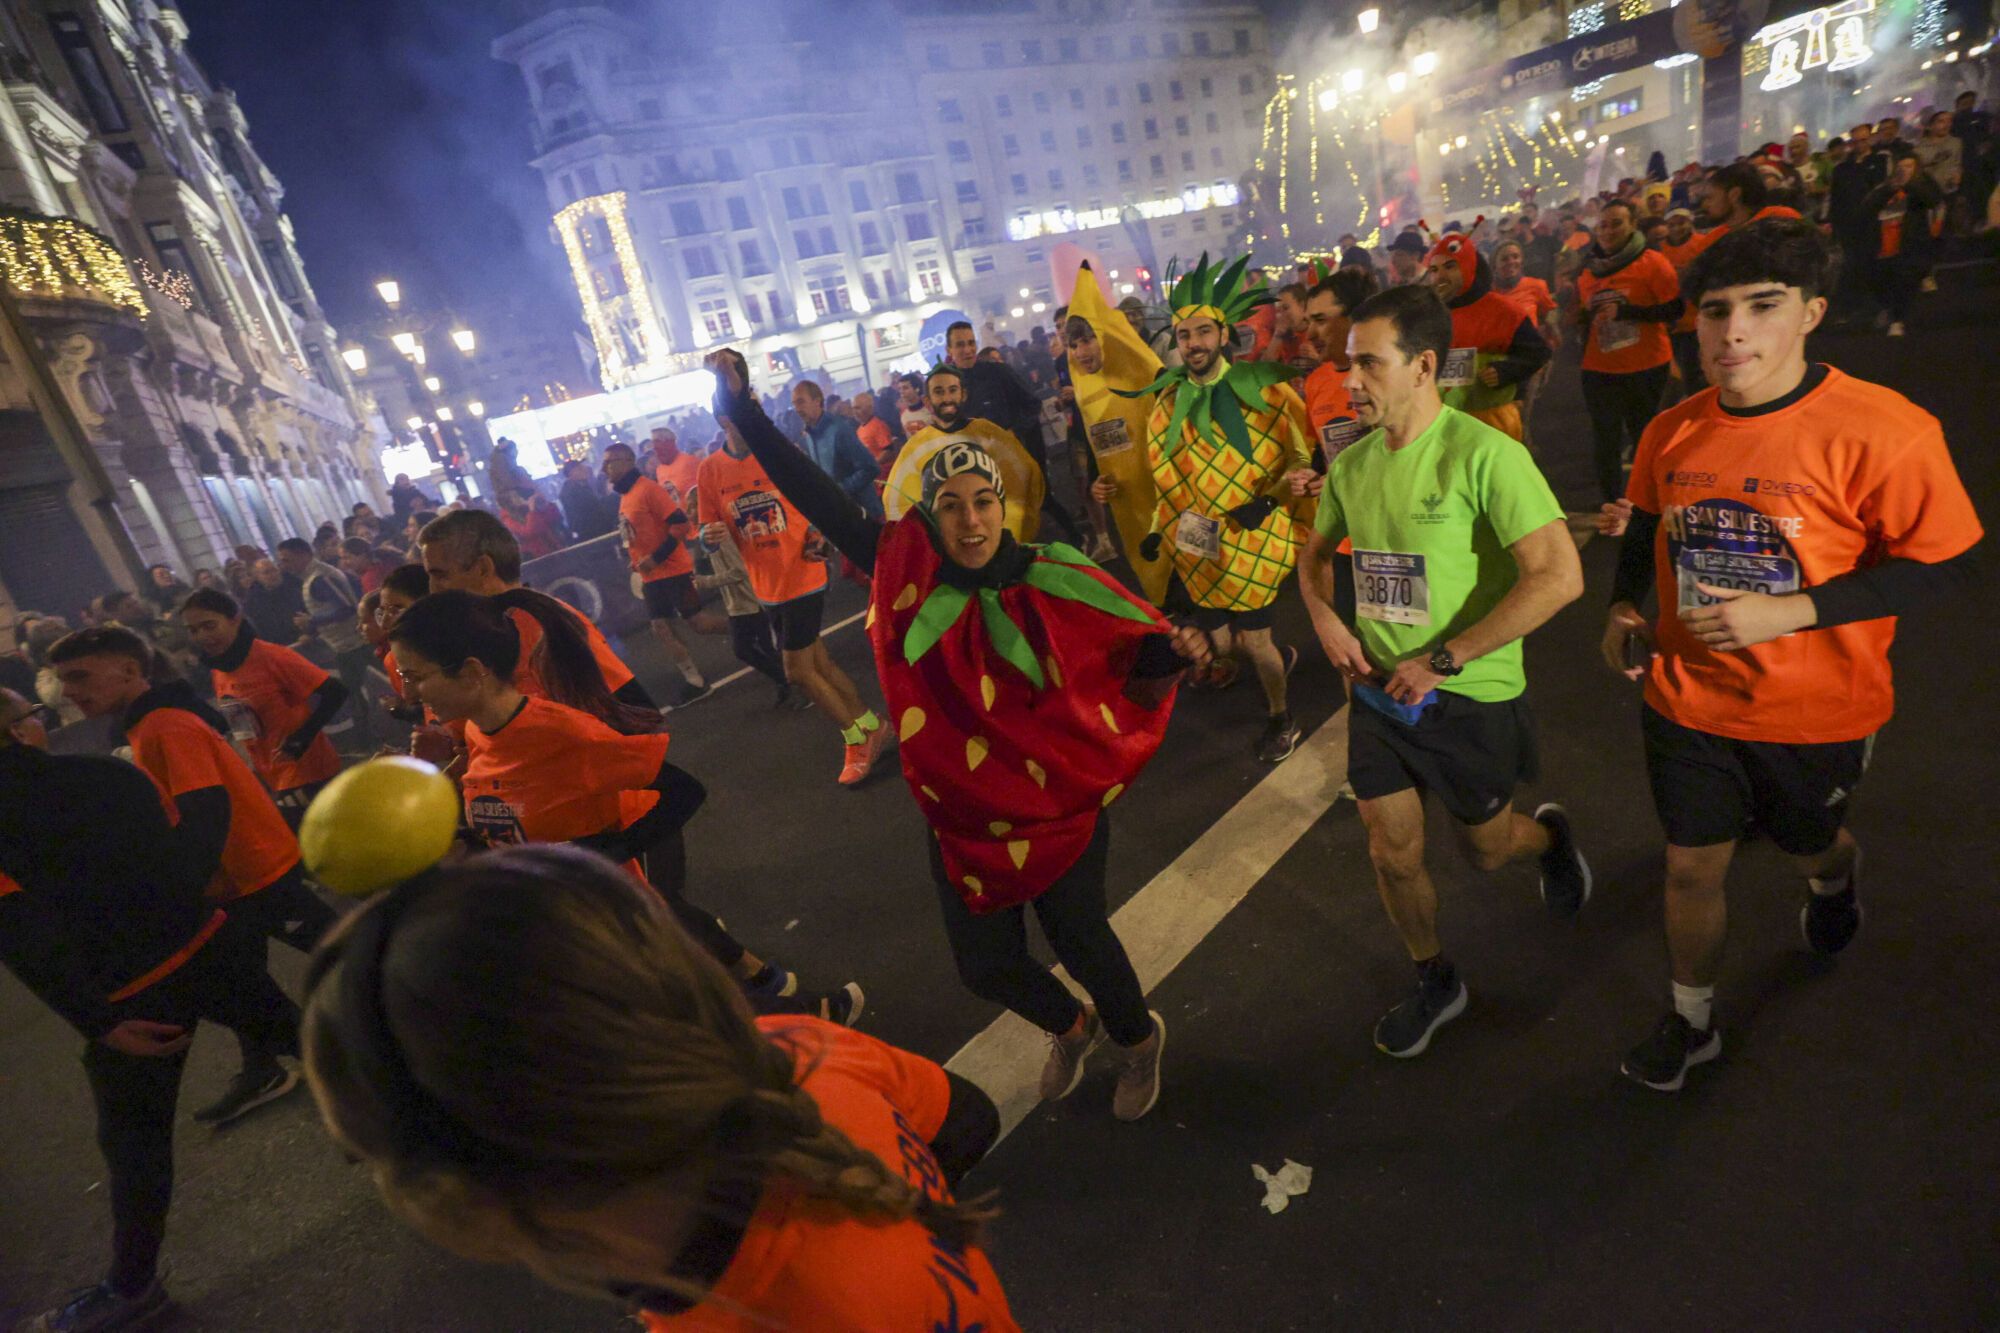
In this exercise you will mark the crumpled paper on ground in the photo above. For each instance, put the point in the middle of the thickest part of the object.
(1285, 1184)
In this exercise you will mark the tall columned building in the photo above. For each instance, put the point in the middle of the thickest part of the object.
(147, 250)
(818, 202)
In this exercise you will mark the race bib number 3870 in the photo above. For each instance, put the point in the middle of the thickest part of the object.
(1391, 586)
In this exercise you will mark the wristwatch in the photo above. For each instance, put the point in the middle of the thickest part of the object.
(1444, 663)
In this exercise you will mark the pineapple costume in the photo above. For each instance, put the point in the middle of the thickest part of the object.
(1219, 453)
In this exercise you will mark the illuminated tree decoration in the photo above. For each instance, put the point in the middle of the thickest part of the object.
(59, 259)
(631, 342)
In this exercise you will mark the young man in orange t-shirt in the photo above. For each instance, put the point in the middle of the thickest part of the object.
(656, 526)
(788, 574)
(227, 830)
(1784, 517)
(1627, 297)
(672, 465)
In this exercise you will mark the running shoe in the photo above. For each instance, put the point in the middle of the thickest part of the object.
(861, 758)
(250, 1089)
(1102, 551)
(1139, 1081)
(99, 1309)
(842, 1006)
(1405, 1031)
(1830, 920)
(1280, 738)
(1217, 676)
(1661, 1061)
(1566, 879)
(784, 694)
(1063, 1070)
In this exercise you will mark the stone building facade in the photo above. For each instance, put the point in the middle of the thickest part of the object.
(146, 249)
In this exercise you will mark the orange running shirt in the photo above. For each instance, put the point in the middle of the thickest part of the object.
(1624, 347)
(1680, 256)
(768, 531)
(1849, 474)
(645, 519)
(274, 683)
(555, 773)
(679, 474)
(806, 1265)
(875, 437)
(616, 674)
(1531, 296)
(182, 753)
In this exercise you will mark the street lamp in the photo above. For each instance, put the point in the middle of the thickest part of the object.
(1328, 99)
(390, 292)
(419, 356)
(433, 383)
(463, 339)
(1369, 19)
(444, 414)
(1025, 291)
(476, 408)
(1425, 64)
(356, 358)
(415, 423)
(1397, 82)
(1039, 306)
(1459, 142)
(406, 343)
(1017, 312)
(1351, 81)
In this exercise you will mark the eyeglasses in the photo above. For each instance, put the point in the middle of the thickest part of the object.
(42, 714)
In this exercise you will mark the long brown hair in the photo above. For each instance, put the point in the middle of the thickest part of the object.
(530, 1028)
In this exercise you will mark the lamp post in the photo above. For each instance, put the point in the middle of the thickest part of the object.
(1369, 20)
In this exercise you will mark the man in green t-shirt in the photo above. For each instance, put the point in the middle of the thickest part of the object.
(1460, 549)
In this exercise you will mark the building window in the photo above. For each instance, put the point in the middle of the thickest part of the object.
(1118, 131)
(1215, 157)
(1201, 44)
(1145, 92)
(990, 55)
(930, 277)
(1010, 145)
(752, 256)
(1181, 126)
(968, 192)
(1137, 46)
(1212, 124)
(909, 189)
(869, 289)
(1076, 99)
(1124, 168)
(173, 253)
(1034, 258)
(753, 309)
(1048, 141)
(1158, 165)
(73, 39)
(803, 147)
(781, 153)
(1170, 44)
(715, 317)
(1018, 183)
(1242, 36)
(871, 239)
(958, 150)
(829, 293)
(1187, 161)
(1067, 49)
(983, 262)
(777, 308)
(1207, 88)
(700, 261)
(975, 229)
(816, 198)
(587, 178)
(1625, 104)
(857, 195)
(725, 165)
(1175, 92)
(938, 57)
(826, 243)
(802, 241)
(1083, 136)
(1090, 173)
(917, 226)
(1055, 179)
(795, 203)
(1003, 105)
(1246, 85)
(1110, 98)
(280, 265)
(1152, 128)
(1031, 52)
(687, 217)
(739, 213)
(950, 112)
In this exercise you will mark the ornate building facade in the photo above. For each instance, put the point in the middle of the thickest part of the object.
(147, 253)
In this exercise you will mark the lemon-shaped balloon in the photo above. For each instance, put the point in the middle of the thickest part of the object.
(377, 824)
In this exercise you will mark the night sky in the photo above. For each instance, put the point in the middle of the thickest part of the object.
(403, 144)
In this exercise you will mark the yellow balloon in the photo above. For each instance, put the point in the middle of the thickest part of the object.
(378, 824)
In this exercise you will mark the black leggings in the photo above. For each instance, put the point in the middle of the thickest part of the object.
(991, 950)
(135, 1095)
(666, 871)
(1620, 407)
(288, 911)
(751, 639)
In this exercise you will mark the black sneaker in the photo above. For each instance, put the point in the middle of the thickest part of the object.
(1405, 1031)
(250, 1089)
(843, 1006)
(1565, 874)
(99, 1309)
(784, 695)
(1829, 921)
(1661, 1061)
(1280, 738)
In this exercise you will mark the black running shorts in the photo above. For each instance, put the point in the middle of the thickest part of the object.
(798, 621)
(1707, 788)
(670, 597)
(1470, 754)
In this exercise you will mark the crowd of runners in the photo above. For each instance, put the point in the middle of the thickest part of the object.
(549, 1055)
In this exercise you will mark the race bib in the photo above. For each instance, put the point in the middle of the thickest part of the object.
(244, 728)
(1337, 435)
(1460, 365)
(495, 818)
(1111, 437)
(1774, 574)
(1391, 586)
(1615, 335)
(1199, 536)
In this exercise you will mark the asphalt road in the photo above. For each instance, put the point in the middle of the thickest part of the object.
(1835, 1170)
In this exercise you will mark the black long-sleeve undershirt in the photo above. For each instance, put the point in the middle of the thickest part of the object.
(681, 794)
(810, 490)
(1527, 353)
(326, 701)
(1891, 587)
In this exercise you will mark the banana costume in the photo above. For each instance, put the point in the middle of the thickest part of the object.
(1116, 424)
(904, 489)
(1219, 453)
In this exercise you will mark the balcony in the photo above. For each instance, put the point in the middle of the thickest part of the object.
(59, 260)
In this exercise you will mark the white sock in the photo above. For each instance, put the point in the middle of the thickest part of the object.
(1828, 888)
(1695, 1004)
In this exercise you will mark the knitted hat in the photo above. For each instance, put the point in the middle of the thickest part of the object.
(955, 459)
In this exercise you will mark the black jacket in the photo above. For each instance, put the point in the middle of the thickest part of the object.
(88, 903)
(995, 392)
(587, 513)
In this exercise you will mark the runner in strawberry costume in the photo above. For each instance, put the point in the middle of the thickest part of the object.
(1027, 689)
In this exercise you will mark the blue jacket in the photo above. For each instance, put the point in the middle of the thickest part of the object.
(833, 445)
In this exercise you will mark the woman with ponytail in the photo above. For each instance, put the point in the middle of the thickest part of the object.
(541, 771)
(539, 1070)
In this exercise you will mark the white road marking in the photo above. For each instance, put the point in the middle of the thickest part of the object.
(1163, 922)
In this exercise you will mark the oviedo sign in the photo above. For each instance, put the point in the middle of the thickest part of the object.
(1610, 50)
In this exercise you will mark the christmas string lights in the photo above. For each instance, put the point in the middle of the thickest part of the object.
(647, 331)
(170, 283)
(58, 257)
